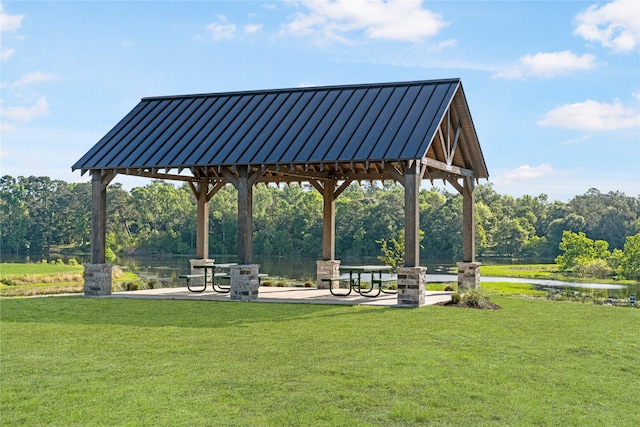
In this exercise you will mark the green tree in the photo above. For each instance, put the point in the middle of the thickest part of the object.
(630, 263)
(14, 216)
(579, 250)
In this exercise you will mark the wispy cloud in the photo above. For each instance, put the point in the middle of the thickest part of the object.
(549, 65)
(12, 115)
(526, 173)
(252, 28)
(349, 21)
(615, 25)
(6, 53)
(593, 116)
(222, 29)
(33, 78)
(9, 23)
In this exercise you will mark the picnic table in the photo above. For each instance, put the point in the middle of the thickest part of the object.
(210, 276)
(353, 276)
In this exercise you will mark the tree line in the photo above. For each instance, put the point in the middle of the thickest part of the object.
(38, 213)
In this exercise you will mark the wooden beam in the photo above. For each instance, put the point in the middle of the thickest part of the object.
(317, 185)
(343, 186)
(453, 181)
(436, 164)
(216, 187)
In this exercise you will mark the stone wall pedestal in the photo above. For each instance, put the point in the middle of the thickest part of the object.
(244, 282)
(411, 282)
(97, 280)
(325, 270)
(468, 275)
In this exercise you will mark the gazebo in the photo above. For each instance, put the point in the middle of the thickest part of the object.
(327, 136)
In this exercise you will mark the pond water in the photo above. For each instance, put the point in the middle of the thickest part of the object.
(166, 270)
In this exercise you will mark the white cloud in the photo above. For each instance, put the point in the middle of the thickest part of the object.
(549, 65)
(6, 53)
(615, 25)
(526, 173)
(23, 114)
(221, 30)
(337, 21)
(36, 77)
(593, 116)
(252, 28)
(9, 23)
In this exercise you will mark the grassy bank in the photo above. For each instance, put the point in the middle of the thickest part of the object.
(542, 271)
(47, 279)
(80, 361)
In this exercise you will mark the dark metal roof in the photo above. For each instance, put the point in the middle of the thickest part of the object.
(302, 126)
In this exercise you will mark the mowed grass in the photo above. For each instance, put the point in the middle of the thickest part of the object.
(78, 361)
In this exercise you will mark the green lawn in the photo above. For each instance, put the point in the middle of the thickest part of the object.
(77, 361)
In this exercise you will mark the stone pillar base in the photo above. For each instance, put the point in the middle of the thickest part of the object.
(244, 282)
(411, 282)
(198, 281)
(468, 275)
(97, 280)
(325, 270)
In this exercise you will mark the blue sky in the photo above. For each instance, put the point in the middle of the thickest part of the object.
(553, 86)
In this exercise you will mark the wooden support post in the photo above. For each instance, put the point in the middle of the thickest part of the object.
(412, 215)
(99, 182)
(202, 222)
(329, 221)
(468, 221)
(245, 216)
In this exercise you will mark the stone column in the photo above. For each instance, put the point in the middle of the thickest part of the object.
(468, 275)
(198, 281)
(244, 282)
(411, 282)
(325, 270)
(97, 280)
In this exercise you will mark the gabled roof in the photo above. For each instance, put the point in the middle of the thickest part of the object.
(306, 128)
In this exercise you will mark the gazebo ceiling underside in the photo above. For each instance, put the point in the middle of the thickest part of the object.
(357, 132)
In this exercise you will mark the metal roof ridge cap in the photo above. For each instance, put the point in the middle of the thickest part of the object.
(307, 88)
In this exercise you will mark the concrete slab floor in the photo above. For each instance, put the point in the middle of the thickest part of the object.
(284, 295)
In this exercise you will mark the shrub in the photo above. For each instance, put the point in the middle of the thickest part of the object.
(72, 261)
(456, 297)
(132, 286)
(476, 298)
(594, 268)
